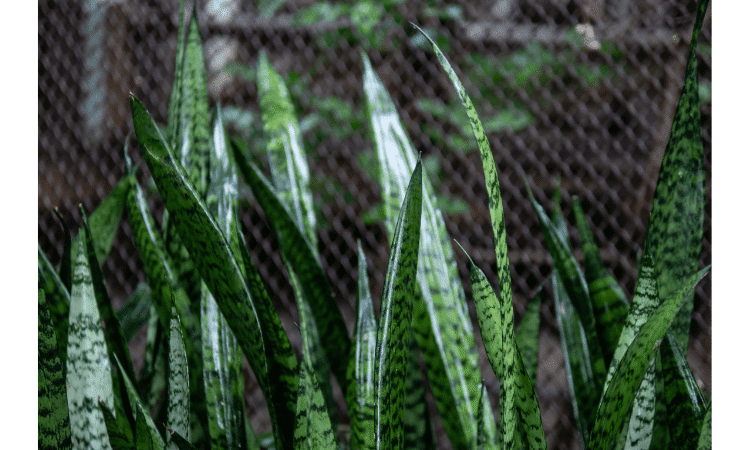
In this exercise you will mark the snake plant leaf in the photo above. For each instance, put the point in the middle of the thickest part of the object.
(222, 359)
(214, 259)
(66, 264)
(313, 429)
(527, 335)
(118, 429)
(58, 300)
(395, 319)
(175, 97)
(704, 441)
(289, 170)
(417, 425)
(180, 442)
(153, 379)
(572, 278)
(146, 434)
(608, 300)
(222, 377)
(529, 417)
(499, 341)
(104, 222)
(578, 366)
(113, 335)
(440, 301)
(674, 235)
(618, 398)
(88, 369)
(296, 249)
(361, 393)
(686, 405)
(282, 362)
(178, 390)
(134, 313)
(164, 287)
(486, 429)
(490, 174)
(54, 423)
(194, 130)
(291, 180)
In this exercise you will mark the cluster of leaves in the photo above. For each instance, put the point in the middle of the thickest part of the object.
(206, 305)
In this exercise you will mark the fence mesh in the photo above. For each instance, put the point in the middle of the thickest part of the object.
(582, 91)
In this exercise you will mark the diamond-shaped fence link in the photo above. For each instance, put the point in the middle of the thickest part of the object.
(581, 91)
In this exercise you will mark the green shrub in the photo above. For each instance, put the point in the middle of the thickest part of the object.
(207, 307)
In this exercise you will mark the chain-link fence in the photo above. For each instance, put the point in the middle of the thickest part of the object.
(583, 90)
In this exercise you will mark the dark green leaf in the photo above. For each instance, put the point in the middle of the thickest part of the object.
(685, 403)
(417, 424)
(675, 227)
(496, 325)
(58, 299)
(607, 298)
(214, 259)
(66, 265)
(571, 276)
(104, 222)
(442, 327)
(313, 429)
(146, 434)
(578, 369)
(529, 418)
(395, 319)
(54, 423)
(298, 252)
(181, 442)
(704, 442)
(175, 97)
(178, 389)
(527, 335)
(118, 429)
(134, 313)
(618, 398)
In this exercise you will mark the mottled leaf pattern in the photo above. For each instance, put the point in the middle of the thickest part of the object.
(441, 322)
(487, 438)
(289, 170)
(291, 180)
(211, 253)
(571, 276)
(178, 387)
(282, 362)
(499, 341)
(88, 374)
(298, 252)
(118, 429)
(675, 227)
(313, 429)
(175, 96)
(115, 339)
(608, 300)
(146, 434)
(704, 441)
(619, 394)
(417, 425)
(58, 299)
(577, 362)
(527, 335)
(361, 393)
(222, 359)
(53, 423)
(395, 319)
(529, 417)
(686, 405)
